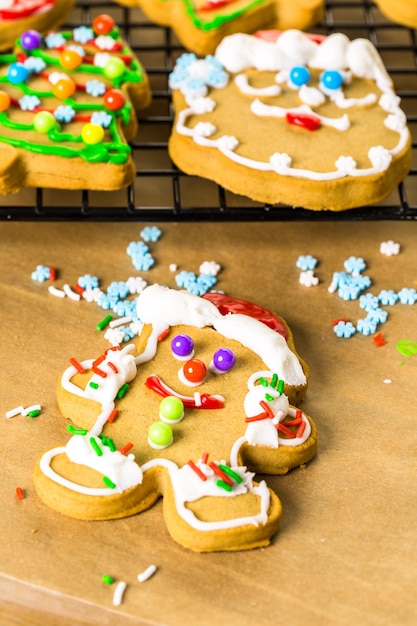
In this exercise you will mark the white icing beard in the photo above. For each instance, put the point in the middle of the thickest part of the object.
(359, 58)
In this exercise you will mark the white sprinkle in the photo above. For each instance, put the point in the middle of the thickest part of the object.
(389, 248)
(13, 412)
(197, 398)
(387, 381)
(149, 571)
(118, 593)
(29, 409)
(120, 321)
(56, 292)
(71, 294)
(173, 267)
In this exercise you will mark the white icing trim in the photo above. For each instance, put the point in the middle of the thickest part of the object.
(241, 81)
(266, 110)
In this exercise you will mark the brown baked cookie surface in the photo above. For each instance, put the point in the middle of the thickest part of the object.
(68, 103)
(18, 16)
(289, 118)
(200, 402)
(200, 25)
(401, 11)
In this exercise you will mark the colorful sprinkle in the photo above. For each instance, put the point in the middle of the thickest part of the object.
(107, 580)
(109, 483)
(149, 571)
(96, 447)
(119, 592)
(20, 493)
(76, 431)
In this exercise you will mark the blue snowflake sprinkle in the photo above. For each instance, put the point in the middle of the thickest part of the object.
(101, 118)
(28, 103)
(368, 302)
(126, 308)
(34, 64)
(54, 40)
(387, 297)
(64, 113)
(106, 301)
(118, 289)
(350, 291)
(363, 282)
(354, 265)
(137, 247)
(193, 76)
(184, 278)
(378, 315)
(83, 34)
(366, 326)
(143, 262)
(95, 88)
(88, 282)
(41, 273)
(306, 262)
(185, 60)
(344, 329)
(151, 233)
(407, 296)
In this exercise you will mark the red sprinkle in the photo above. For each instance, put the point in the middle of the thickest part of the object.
(113, 367)
(113, 416)
(52, 273)
(341, 319)
(98, 371)
(305, 120)
(19, 493)
(379, 340)
(78, 289)
(300, 429)
(216, 469)
(126, 448)
(257, 418)
(285, 430)
(205, 456)
(266, 407)
(164, 334)
(197, 470)
(77, 365)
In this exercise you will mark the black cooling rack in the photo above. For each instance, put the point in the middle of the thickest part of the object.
(163, 193)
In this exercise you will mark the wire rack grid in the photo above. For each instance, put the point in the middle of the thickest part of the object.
(160, 191)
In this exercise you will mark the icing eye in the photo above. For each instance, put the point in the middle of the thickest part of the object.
(299, 75)
(182, 347)
(223, 361)
(332, 79)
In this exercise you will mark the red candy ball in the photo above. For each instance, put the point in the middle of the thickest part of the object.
(103, 24)
(194, 371)
(114, 99)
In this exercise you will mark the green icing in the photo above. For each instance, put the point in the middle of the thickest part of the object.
(115, 151)
(218, 20)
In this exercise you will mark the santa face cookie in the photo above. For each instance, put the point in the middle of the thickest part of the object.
(201, 402)
(17, 16)
(289, 118)
(200, 25)
(67, 109)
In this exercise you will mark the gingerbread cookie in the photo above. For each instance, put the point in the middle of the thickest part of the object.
(18, 16)
(401, 11)
(200, 25)
(67, 109)
(289, 118)
(201, 401)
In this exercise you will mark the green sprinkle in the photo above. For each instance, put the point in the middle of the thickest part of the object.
(274, 381)
(263, 382)
(101, 325)
(223, 485)
(34, 413)
(76, 431)
(96, 447)
(107, 580)
(280, 388)
(94, 385)
(108, 482)
(269, 397)
(407, 347)
(122, 391)
(228, 470)
(106, 441)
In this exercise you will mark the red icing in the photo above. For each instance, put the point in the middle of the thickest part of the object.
(227, 304)
(206, 400)
(272, 35)
(305, 120)
(213, 5)
(25, 8)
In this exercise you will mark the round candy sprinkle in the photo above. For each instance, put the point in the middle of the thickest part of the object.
(182, 347)
(17, 73)
(114, 67)
(43, 122)
(223, 360)
(4, 101)
(103, 24)
(299, 75)
(92, 133)
(160, 435)
(64, 88)
(332, 79)
(193, 373)
(171, 410)
(31, 40)
(114, 99)
(70, 59)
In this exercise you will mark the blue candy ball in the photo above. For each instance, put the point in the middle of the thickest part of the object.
(332, 79)
(299, 75)
(17, 73)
